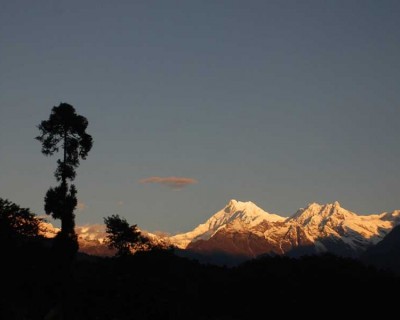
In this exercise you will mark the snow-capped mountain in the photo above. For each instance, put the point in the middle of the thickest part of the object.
(91, 238)
(47, 230)
(331, 222)
(316, 228)
(246, 213)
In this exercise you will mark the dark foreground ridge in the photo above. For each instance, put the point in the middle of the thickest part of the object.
(161, 285)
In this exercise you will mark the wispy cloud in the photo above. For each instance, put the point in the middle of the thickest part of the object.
(176, 183)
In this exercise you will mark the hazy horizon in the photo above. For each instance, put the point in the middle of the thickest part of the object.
(191, 104)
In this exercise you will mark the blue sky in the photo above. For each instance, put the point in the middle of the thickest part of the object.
(277, 102)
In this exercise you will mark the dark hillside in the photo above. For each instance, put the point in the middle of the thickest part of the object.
(160, 285)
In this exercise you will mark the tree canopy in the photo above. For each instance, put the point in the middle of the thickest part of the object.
(67, 130)
(122, 236)
(16, 223)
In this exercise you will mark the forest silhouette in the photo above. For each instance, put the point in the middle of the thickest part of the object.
(47, 278)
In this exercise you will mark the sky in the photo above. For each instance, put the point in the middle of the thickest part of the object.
(193, 103)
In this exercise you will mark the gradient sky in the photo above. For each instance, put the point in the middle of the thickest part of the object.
(277, 102)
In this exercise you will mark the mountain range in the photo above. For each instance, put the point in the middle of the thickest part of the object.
(242, 229)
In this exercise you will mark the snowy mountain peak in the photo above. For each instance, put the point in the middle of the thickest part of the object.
(315, 210)
(393, 216)
(335, 204)
(235, 213)
(234, 206)
(246, 212)
(232, 203)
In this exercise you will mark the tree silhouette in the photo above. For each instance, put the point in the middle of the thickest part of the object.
(122, 236)
(17, 224)
(64, 130)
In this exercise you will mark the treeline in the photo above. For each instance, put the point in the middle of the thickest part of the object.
(160, 285)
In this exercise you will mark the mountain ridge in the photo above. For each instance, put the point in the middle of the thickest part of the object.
(314, 229)
(243, 228)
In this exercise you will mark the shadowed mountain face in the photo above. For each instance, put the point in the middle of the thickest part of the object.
(386, 253)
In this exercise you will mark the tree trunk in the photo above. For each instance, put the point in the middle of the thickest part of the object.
(67, 220)
(63, 176)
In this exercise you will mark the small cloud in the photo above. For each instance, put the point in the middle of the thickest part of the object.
(176, 183)
(81, 206)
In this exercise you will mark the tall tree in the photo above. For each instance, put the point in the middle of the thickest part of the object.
(65, 130)
(122, 236)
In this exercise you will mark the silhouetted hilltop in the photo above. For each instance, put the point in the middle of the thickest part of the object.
(386, 254)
